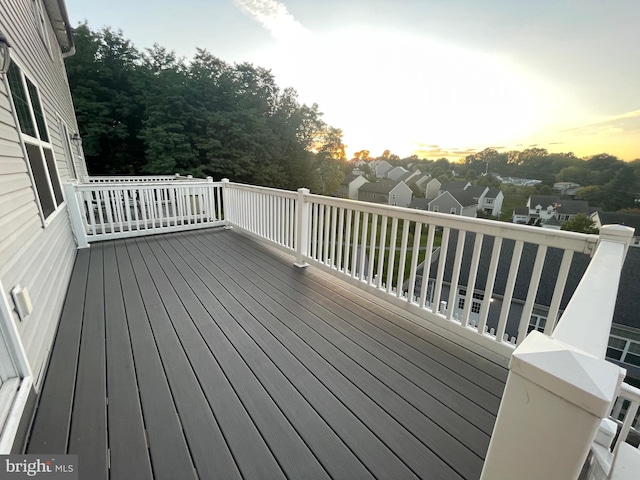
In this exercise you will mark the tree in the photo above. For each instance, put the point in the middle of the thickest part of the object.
(580, 223)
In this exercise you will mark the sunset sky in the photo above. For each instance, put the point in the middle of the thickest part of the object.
(430, 77)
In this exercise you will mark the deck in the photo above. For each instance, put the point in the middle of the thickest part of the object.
(209, 355)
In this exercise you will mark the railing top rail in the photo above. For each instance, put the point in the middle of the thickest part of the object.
(92, 187)
(578, 242)
(267, 190)
(629, 392)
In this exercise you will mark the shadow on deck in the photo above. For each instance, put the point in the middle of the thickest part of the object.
(208, 355)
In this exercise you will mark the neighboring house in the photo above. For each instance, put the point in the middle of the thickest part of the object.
(350, 185)
(453, 185)
(430, 187)
(397, 173)
(618, 218)
(492, 202)
(380, 168)
(624, 341)
(420, 204)
(37, 247)
(543, 207)
(520, 215)
(455, 202)
(388, 192)
(566, 188)
(553, 223)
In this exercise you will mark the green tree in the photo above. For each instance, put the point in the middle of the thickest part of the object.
(580, 223)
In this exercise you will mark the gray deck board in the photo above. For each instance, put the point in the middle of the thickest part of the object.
(50, 432)
(369, 333)
(89, 415)
(129, 455)
(365, 389)
(220, 359)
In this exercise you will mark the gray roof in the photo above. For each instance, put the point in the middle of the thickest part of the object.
(521, 211)
(572, 207)
(553, 221)
(383, 186)
(464, 197)
(420, 204)
(350, 178)
(454, 185)
(543, 200)
(404, 176)
(628, 219)
(475, 190)
(493, 193)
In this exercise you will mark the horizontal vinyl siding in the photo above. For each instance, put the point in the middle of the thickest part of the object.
(39, 258)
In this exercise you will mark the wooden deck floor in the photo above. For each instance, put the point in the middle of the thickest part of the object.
(208, 355)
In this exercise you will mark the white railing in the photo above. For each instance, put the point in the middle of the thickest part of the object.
(390, 251)
(560, 387)
(103, 211)
(140, 178)
(625, 414)
(265, 212)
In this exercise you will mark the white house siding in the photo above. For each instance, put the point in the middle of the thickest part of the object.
(35, 256)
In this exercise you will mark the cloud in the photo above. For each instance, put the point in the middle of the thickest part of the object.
(606, 120)
(273, 16)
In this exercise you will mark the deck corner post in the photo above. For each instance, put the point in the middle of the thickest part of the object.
(75, 216)
(302, 227)
(616, 233)
(554, 400)
(226, 203)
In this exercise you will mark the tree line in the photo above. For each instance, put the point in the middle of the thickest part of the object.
(151, 112)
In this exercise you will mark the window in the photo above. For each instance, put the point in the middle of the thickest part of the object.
(35, 136)
(453, 211)
(476, 303)
(624, 346)
(41, 22)
(538, 320)
(488, 201)
(436, 208)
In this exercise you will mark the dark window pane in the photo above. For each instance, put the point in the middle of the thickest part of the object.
(40, 177)
(53, 175)
(614, 354)
(37, 111)
(20, 100)
(632, 359)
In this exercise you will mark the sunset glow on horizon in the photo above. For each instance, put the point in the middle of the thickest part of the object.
(425, 78)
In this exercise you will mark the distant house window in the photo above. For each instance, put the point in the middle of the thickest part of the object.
(453, 211)
(624, 346)
(476, 303)
(537, 321)
(489, 201)
(436, 208)
(41, 22)
(33, 127)
(393, 196)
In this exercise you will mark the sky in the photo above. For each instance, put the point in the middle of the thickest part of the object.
(427, 77)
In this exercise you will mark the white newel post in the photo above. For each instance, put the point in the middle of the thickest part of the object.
(75, 215)
(226, 203)
(302, 227)
(560, 387)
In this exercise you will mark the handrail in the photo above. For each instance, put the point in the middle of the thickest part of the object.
(104, 211)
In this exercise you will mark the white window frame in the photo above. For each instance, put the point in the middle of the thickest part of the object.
(37, 142)
(436, 208)
(453, 211)
(627, 345)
